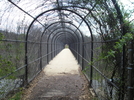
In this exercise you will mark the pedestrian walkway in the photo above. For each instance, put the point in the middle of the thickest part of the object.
(60, 80)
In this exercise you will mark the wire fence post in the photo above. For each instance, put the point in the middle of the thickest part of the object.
(40, 55)
(82, 56)
(26, 68)
(47, 53)
(130, 88)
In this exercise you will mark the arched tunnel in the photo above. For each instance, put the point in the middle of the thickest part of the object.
(33, 32)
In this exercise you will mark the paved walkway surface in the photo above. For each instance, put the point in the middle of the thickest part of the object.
(60, 80)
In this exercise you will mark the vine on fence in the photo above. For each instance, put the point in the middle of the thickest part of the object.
(119, 45)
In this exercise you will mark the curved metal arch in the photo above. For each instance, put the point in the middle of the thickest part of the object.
(59, 39)
(58, 10)
(65, 31)
(53, 36)
(78, 39)
(81, 34)
(56, 36)
(77, 46)
(64, 22)
(64, 34)
(65, 28)
(61, 32)
(82, 38)
(26, 39)
(56, 39)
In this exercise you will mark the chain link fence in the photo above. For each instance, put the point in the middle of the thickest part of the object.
(98, 32)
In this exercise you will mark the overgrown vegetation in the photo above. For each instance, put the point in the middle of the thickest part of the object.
(6, 66)
(17, 95)
(11, 58)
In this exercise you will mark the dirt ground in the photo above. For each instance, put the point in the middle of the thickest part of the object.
(61, 79)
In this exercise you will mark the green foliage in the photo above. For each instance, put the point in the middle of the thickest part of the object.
(85, 69)
(11, 56)
(17, 96)
(119, 45)
(94, 97)
(6, 67)
(1, 36)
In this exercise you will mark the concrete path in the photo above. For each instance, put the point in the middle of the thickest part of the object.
(60, 80)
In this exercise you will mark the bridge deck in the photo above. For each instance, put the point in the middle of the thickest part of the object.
(60, 80)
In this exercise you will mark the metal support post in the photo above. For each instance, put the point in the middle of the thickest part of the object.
(130, 88)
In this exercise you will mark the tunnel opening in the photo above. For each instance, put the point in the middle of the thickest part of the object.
(66, 46)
